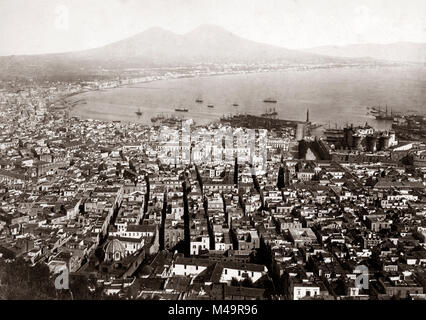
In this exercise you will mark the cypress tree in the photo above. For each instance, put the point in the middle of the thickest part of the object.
(236, 172)
(187, 235)
(163, 222)
(280, 182)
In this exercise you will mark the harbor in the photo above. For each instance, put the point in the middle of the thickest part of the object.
(225, 93)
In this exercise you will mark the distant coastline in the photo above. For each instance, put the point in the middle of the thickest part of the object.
(356, 89)
(230, 73)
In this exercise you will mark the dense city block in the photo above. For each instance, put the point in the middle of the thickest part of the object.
(246, 207)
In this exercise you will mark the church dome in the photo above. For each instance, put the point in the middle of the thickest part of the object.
(114, 250)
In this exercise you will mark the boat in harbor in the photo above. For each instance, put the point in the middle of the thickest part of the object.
(315, 125)
(158, 118)
(235, 104)
(384, 115)
(199, 100)
(171, 121)
(374, 110)
(139, 112)
(270, 113)
(181, 110)
(270, 100)
(210, 106)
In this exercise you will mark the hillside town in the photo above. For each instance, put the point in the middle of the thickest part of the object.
(177, 211)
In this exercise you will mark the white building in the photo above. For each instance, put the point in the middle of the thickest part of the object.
(188, 267)
(241, 271)
(305, 290)
(199, 244)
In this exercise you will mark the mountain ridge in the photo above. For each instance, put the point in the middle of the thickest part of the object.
(402, 51)
(204, 44)
(158, 47)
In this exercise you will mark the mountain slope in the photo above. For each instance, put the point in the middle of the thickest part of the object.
(400, 51)
(205, 44)
(156, 47)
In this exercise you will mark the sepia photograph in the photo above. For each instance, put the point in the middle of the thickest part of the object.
(214, 155)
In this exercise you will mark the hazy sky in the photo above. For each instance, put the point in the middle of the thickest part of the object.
(41, 26)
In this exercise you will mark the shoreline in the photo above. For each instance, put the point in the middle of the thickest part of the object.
(283, 69)
(72, 104)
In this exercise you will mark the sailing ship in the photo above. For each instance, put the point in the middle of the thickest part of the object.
(384, 116)
(139, 112)
(375, 110)
(269, 113)
(158, 118)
